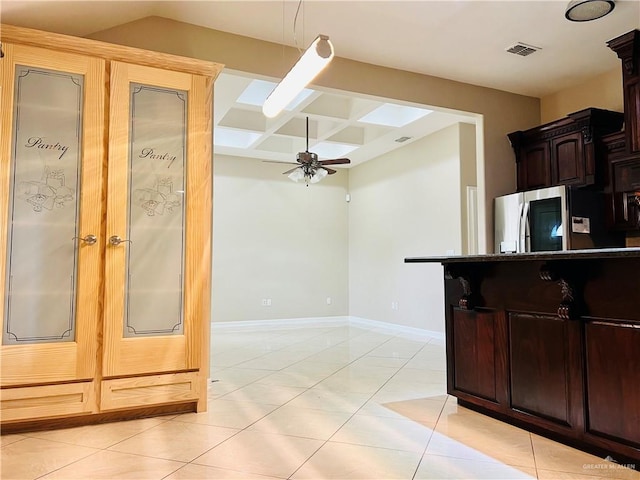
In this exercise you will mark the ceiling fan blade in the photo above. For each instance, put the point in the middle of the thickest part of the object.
(335, 161)
(289, 171)
(330, 171)
(281, 163)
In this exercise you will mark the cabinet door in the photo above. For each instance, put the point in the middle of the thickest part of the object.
(51, 178)
(613, 380)
(625, 197)
(567, 160)
(476, 356)
(534, 166)
(158, 229)
(545, 368)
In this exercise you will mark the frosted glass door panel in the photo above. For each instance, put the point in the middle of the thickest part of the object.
(155, 261)
(43, 207)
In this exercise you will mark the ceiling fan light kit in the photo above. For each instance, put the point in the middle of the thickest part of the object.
(297, 175)
(309, 168)
(587, 10)
(309, 174)
(309, 65)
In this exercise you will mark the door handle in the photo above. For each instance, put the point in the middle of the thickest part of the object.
(88, 239)
(115, 240)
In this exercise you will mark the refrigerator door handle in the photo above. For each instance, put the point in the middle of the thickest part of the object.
(523, 230)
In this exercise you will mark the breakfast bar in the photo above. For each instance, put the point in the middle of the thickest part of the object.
(549, 341)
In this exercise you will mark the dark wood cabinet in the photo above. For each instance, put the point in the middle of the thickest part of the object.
(476, 353)
(625, 193)
(623, 186)
(568, 151)
(567, 160)
(623, 151)
(627, 47)
(534, 168)
(543, 372)
(613, 380)
(553, 345)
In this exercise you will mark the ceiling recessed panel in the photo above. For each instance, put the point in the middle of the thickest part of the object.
(353, 135)
(332, 150)
(336, 106)
(392, 115)
(228, 137)
(280, 144)
(244, 119)
(258, 91)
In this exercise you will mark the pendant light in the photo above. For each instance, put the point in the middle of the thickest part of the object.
(309, 65)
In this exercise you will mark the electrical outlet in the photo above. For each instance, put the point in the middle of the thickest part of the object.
(395, 306)
(328, 300)
(266, 302)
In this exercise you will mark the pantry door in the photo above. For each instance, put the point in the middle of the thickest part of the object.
(158, 229)
(51, 164)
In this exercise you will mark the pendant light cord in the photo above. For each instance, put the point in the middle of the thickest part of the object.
(295, 21)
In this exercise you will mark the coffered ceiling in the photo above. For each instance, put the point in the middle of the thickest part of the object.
(340, 124)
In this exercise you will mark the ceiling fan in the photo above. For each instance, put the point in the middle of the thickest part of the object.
(309, 168)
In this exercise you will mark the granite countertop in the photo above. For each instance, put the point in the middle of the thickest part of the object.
(508, 257)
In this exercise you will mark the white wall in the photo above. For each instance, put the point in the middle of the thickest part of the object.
(277, 239)
(403, 204)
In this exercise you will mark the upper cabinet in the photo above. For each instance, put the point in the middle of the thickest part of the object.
(105, 223)
(566, 152)
(623, 151)
(627, 47)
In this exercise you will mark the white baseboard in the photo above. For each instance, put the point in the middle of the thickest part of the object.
(280, 324)
(412, 332)
(289, 323)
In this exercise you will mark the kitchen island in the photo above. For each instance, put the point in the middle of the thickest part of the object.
(549, 341)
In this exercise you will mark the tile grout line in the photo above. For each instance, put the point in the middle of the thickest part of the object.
(354, 413)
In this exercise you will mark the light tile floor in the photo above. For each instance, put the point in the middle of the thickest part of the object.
(315, 402)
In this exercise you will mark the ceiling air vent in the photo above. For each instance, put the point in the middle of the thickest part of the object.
(522, 49)
(402, 139)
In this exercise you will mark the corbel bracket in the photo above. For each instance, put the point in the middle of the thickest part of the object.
(571, 305)
(470, 278)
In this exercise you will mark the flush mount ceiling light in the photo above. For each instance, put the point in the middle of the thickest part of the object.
(309, 65)
(586, 10)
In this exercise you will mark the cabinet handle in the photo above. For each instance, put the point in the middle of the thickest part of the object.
(88, 239)
(115, 240)
(634, 206)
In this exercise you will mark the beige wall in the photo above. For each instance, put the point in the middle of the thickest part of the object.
(501, 112)
(277, 239)
(404, 203)
(603, 91)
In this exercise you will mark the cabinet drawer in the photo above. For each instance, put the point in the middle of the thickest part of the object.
(149, 390)
(46, 401)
